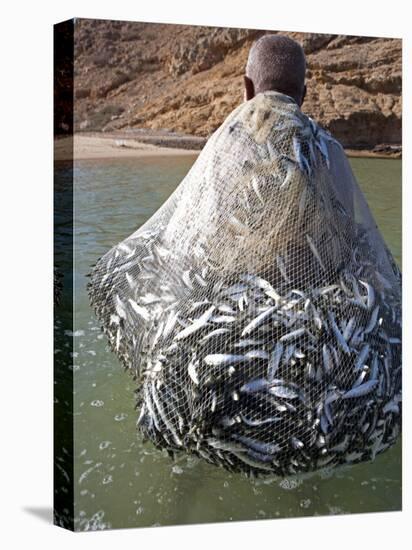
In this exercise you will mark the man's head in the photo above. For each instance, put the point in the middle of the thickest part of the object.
(276, 63)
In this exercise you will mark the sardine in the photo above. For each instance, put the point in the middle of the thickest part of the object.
(283, 392)
(258, 321)
(348, 331)
(186, 279)
(257, 354)
(327, 359)
(223, 319)
(293, 335)
(361, 390)
(315, 252)
(213, 333)
(259, 446)
(255, 187)
(244, 343)
(258, 422)
(371, 294)
(141, 311)
(196, 325)
(223, 359)
(363, 355)
(250, 462)
(296, 443)
(253, 386)
(274, 361)
(282, 268)
(192, 371)
(338, 334)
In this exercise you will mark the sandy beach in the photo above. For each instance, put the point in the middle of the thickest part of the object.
(112, 146)
(106, 147)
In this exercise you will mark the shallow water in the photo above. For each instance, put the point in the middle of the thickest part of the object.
(120, 482)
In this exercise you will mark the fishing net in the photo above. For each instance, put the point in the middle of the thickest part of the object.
(259, 308)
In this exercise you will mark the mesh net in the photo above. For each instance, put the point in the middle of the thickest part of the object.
(259, 309)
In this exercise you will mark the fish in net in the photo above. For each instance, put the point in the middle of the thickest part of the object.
(259, 309)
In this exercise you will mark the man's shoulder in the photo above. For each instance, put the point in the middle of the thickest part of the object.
(262, 115)
(322, 133)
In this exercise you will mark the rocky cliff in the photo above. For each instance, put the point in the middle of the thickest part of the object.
(188, 79)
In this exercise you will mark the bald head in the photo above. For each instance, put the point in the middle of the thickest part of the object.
(276, 63)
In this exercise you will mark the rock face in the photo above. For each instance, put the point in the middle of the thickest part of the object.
(188, 79)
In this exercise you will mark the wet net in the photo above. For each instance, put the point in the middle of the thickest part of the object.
(259, 308)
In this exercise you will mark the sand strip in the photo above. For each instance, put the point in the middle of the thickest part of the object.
(111, 147)
(87, 147)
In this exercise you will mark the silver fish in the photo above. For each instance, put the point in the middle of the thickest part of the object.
(342, 446)
(258, 321)
(158, 334)
(374, 368)
(238, 288)
(192, 371)
(257, 354)
(250, 462)
(300, 157)
(274, 361)
(361, 390)
(338, 334)
(238, 224)
(164, 417)
(223, 319)
(283, 392)
(196, 325)
(371, 294)
(327, 359)
(282, 268)
(326, 406)
(224, 308)
(315, 252)
(131, 282)
(200, 280)
(244, 343)
(293, 335)
(223, 359)
(120, 308)
(260, 422)
(170, 323)
(321, 145)
(141, 311)
(255, 187)
(348, 331)
(213, 333)
(224, 445)
(317, 319)
(363, 355)
(260, 446)
(186, 279)
(263, 284)
(296, 443)
(149, 298)
(258, 384)
(288, 354)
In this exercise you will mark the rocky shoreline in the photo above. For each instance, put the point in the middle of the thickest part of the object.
(187, 79)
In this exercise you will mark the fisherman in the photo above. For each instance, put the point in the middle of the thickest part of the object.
(276, 63)
(259, 314)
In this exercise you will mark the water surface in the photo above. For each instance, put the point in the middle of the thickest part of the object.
(120, 482)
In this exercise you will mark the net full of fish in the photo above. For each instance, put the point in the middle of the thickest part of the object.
(259, 310)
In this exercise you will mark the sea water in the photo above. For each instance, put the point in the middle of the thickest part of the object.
(119, 481)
